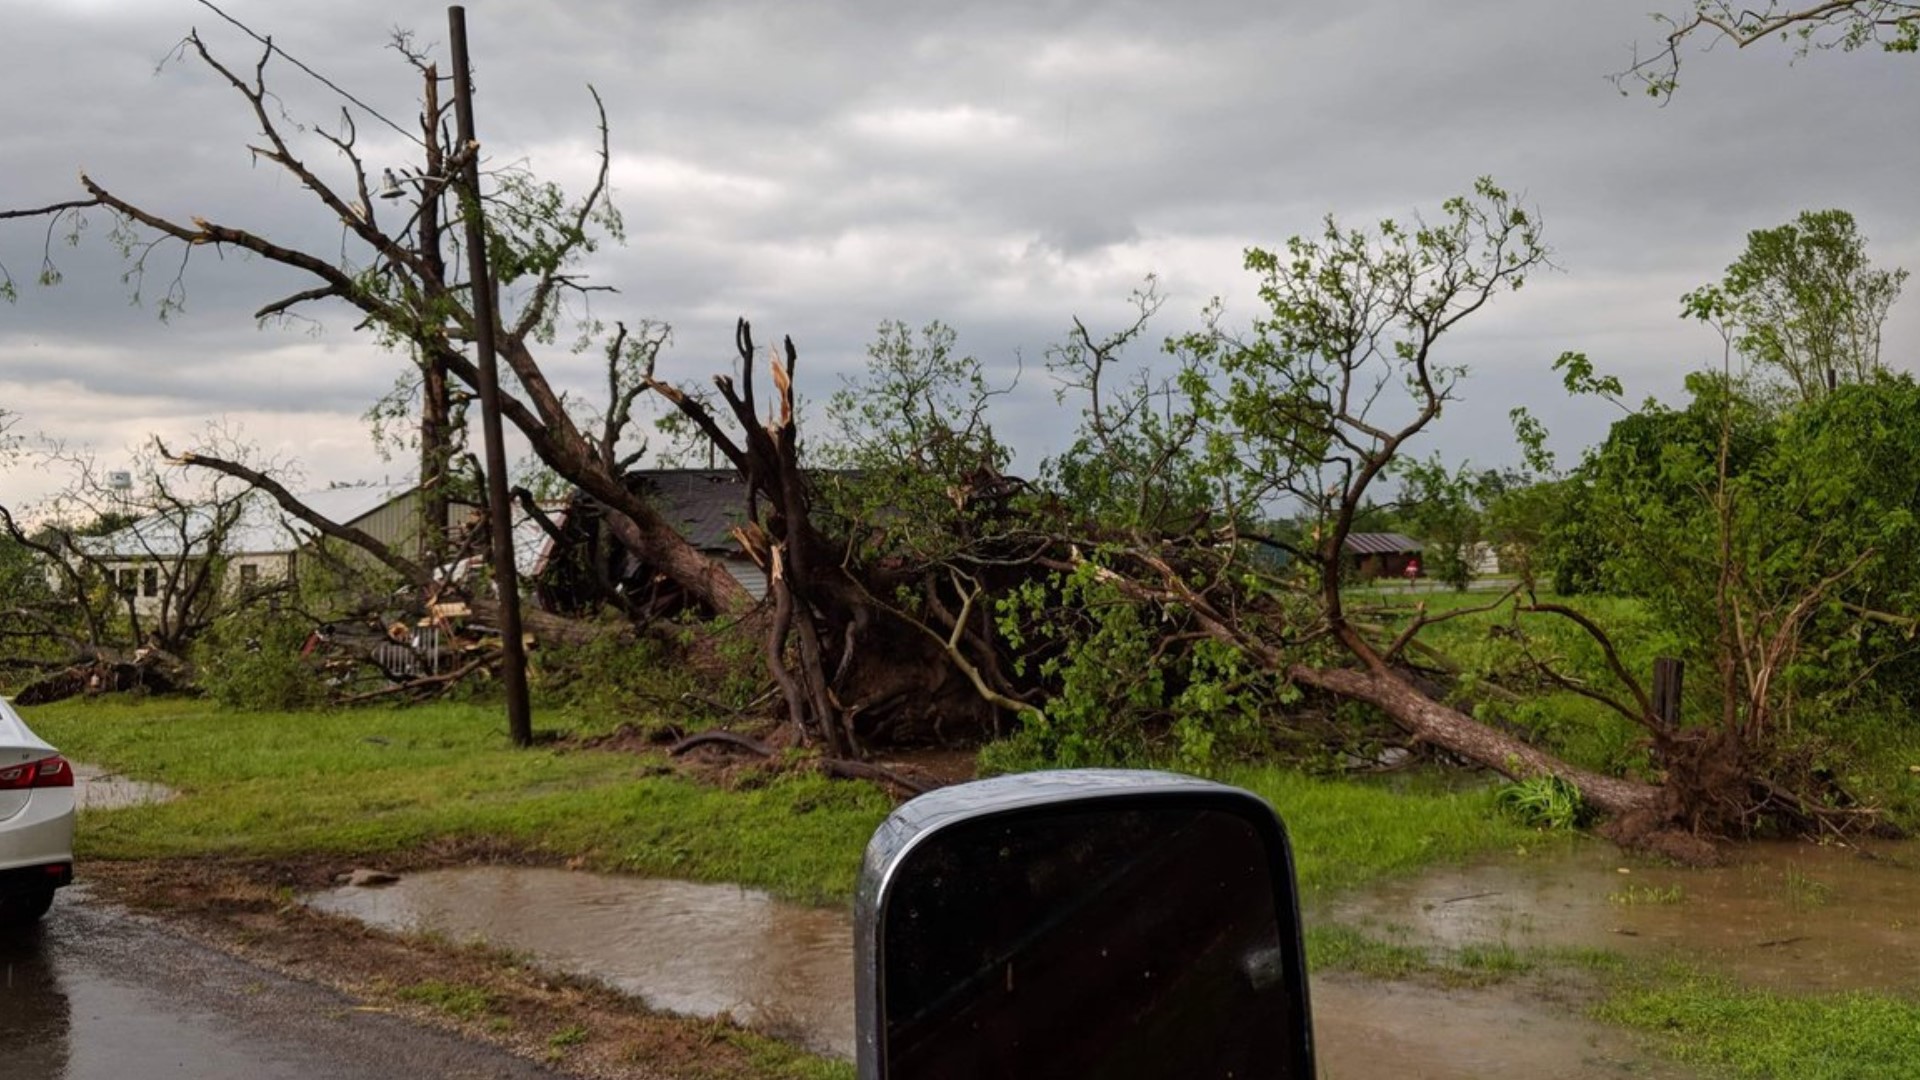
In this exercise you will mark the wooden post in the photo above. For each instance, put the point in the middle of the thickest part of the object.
(1667, 673)
(513, 656)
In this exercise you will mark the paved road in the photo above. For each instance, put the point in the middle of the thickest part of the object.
(98, 994)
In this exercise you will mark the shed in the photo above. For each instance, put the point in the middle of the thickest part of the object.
(1383, 554)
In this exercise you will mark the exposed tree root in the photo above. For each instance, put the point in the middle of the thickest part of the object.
(727, 738)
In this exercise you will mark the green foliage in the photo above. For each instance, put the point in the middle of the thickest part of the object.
(1844, 25)
(1126, 687)
(1140, 460)
(910, 442)
(1803, 303)
(614, 677)
(1545, 802)
(1459, 512)
(253, 660)
(1282, 418)
(1819, 507)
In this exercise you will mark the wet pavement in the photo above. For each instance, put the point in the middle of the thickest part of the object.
(96, 994)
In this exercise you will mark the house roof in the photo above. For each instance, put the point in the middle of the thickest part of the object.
(259, 529)
(1381, 544)
(703, 504)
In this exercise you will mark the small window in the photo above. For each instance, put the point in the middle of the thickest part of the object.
(249, 575)
(150, 581)
(126, 582)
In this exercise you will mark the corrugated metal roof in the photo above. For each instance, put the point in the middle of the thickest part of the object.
(1381, 544)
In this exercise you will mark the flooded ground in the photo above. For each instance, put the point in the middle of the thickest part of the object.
(1787, 916)
(1368, 1030)
(706, 950)
(1784, 916)
(700, 950)
(95, 788)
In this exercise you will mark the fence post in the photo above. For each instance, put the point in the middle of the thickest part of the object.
(1667, 673)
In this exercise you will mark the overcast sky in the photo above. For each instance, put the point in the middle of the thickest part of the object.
(1002, 167)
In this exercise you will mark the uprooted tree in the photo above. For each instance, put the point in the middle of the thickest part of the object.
(398, 278)
(1306, 415)
(1182, 565)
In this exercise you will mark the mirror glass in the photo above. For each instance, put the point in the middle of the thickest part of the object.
(1128, 938)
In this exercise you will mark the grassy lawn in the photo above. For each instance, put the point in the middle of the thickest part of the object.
(374, 783)
(379, 782)
(1759, 1035)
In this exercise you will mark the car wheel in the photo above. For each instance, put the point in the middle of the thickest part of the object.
(23, 908)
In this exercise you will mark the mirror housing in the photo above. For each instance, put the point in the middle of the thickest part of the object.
(1108, 923)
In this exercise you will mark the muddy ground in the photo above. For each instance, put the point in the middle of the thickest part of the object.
(576, 1027)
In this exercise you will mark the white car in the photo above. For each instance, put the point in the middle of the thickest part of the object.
(36, 821)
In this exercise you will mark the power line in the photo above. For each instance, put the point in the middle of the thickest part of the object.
(322, 79)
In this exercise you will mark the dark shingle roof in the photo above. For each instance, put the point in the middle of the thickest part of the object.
(1381, 544)
(703, 504)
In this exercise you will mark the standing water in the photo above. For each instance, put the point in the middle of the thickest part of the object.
(705, 950)
(95, 788)
(700, 950)
(1783, 916)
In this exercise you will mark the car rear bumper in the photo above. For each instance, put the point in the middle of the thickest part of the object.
(36, 845)
(33, 879)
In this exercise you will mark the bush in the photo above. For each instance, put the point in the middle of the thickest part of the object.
(698, 677)
(253, 661)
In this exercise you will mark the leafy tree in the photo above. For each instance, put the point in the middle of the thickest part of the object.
(1774, 549)
(1137, 462)
(905, 441)
(1451, 511)
(1302, 416)
(119, 571)
(1803, 303)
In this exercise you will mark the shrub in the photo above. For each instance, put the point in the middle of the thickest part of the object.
(253, 660)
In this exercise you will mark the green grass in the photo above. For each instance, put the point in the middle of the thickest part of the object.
(1346, 833)
(1757, 1034)
(1642, 895)
(375, 782)
(371, 782)
(456, 1000)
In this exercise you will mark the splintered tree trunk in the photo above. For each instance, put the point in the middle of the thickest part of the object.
(1455, 732)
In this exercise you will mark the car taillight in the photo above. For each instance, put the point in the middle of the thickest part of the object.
(54, 771)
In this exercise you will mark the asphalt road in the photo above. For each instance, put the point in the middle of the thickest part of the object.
(98, 994)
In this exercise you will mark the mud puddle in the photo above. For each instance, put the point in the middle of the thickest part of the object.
(1367, 1030)
(699, 950)
(705, 950)
(1787, 916)
(95, 788)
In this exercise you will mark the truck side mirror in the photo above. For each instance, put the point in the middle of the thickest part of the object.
(1089, 923)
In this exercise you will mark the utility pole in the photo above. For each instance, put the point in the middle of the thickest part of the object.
(500, 508)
